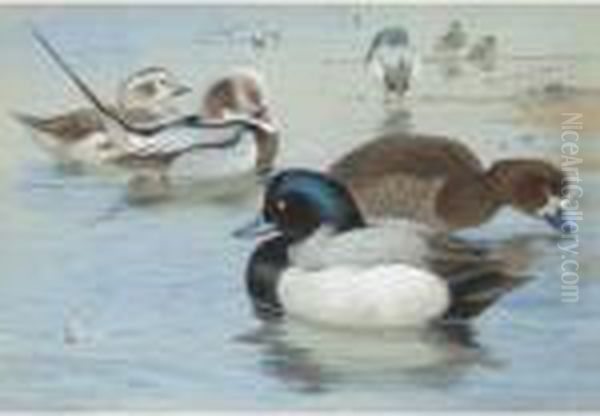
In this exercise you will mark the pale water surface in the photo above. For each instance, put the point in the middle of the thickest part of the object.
(145, 307)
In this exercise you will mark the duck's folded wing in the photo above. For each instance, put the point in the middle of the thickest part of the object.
(405, 153)
(401, 174)
(173, 139)
(477, 276)
(382, 243)
(181, 141)
(70, 127)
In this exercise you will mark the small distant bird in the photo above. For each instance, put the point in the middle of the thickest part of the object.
(144, 99)
(392, 60)
(454, 40)
(263, 39)
(484, 53)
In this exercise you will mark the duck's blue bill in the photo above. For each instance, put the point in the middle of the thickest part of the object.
(556, 220)
(257, 228)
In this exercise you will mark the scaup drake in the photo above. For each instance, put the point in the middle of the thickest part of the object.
(323, 264)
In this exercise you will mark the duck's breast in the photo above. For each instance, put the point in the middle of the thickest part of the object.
(384, 296)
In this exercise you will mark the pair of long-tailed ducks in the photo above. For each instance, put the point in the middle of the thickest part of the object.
(145, 132)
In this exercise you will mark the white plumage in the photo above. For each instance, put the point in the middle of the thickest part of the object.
(389, 242)
(366, 278)
(395, 295)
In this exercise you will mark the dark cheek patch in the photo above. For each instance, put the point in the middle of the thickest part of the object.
(148, 89)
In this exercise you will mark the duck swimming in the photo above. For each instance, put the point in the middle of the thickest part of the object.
(145, 98)
(450, 49)
(239, 94)
(151, 151)
(233, 142)
(454, 40)
(322, 263)
(442, 183)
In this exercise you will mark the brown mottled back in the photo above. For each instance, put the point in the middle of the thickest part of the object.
(417, 177)
(76, 125)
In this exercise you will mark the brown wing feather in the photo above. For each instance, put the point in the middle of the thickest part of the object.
(403, 175)
(69, 127)
(415, 155)
(78, 124)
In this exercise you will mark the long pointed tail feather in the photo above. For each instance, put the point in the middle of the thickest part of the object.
(27, 120)
(473, 294)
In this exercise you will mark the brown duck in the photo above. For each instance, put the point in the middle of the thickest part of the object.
(441, 182)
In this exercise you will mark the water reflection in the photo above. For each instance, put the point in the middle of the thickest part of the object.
(313, 360)
(398, 118)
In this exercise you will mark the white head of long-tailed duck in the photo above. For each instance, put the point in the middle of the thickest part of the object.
(145, 98)
(150, 92)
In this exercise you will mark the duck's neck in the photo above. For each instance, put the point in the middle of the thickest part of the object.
(267, 147)
(267, 144)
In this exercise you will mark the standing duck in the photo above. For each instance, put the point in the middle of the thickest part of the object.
(450, 49)
(392, 60)
(324, 265)
(454, 40)
(145, 98)
(441, 182)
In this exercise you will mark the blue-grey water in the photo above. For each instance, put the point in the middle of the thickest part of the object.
(145, 307)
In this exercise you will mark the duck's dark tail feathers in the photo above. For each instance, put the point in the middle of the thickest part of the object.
(477, 276)
(476, 290)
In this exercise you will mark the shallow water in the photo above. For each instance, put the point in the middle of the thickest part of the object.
(144, 307)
